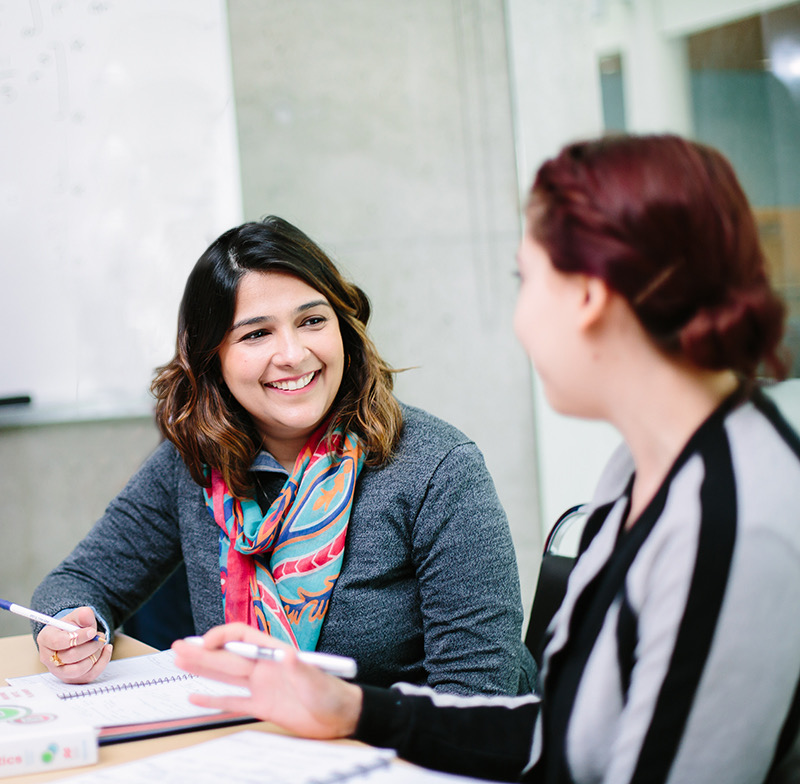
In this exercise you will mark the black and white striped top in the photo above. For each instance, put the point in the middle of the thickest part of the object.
(675, 656)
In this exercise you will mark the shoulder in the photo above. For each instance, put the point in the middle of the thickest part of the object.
(164, 468)
(429, 449)
(428, 442)
(765, 468)
(165, 457)
(758, 432)
(421, 427)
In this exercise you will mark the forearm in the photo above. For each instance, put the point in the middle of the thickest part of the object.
(485, 737)
(111, 576)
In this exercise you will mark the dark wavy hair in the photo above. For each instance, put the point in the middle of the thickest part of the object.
(665, 223)
(194, 408)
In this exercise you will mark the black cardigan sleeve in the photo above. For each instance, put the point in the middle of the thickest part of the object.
(483, 737)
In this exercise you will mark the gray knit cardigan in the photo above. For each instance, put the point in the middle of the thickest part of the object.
(429, 588)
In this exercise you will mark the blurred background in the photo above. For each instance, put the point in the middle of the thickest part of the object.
(402, 136)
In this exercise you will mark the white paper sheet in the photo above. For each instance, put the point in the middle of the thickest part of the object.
(249, 757)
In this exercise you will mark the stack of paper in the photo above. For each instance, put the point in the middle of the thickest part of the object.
(257, 757)
(249, 758)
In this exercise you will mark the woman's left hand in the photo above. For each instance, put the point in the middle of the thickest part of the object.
(296, 696)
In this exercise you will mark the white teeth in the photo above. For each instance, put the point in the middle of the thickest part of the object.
(304, 381)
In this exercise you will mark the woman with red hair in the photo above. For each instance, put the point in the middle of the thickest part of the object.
(675, 655)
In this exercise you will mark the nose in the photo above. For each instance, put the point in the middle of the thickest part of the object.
(289, 349)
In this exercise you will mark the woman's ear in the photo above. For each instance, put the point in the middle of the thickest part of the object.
(595, 298)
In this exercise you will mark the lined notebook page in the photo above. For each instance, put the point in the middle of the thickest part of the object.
(135, 690)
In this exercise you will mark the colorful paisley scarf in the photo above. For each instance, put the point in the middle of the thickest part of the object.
(278, 570)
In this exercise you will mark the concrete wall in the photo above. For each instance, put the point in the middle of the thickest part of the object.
(385, 131)
(556, 95)
(55, 482)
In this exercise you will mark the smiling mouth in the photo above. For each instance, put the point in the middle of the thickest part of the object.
(291, 386)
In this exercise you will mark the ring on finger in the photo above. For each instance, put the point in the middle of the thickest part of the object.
(73, 639)
(54, 658)
(93, 658)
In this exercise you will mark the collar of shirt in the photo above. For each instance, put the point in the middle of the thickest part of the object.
(266, 462)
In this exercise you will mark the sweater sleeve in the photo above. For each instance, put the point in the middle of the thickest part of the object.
(126, 555)
(468, 582)
(478, 736)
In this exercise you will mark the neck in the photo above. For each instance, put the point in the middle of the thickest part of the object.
(658, 413)
(284, 451)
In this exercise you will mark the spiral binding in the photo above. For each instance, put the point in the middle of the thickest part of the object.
(113, 687)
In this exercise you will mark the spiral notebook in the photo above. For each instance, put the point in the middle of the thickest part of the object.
(140, 697)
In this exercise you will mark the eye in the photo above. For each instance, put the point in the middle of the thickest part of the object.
(314, 321)
(255, 335)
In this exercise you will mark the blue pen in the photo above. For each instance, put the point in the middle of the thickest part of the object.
(32, 615)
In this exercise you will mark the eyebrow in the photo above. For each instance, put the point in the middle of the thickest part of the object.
(299, 309)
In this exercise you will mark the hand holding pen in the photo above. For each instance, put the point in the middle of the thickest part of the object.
(340, 666)
(285, 688)
(70, 647)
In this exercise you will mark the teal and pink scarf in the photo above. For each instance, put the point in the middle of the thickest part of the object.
(278, 570)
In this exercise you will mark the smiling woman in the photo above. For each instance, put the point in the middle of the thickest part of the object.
(284, 369)
(304, 499)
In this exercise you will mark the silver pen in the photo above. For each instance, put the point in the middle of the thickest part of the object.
(341, 666)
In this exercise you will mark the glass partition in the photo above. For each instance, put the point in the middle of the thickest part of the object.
(728, 78)
(745, 99)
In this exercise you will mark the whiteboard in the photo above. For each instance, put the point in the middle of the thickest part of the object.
(118, 166)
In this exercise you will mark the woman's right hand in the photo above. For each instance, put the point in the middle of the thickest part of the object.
(296, 696)
(74, 657)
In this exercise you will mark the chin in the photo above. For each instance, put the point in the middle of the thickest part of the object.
(562, 404)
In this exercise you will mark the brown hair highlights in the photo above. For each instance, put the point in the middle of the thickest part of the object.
(194, 408)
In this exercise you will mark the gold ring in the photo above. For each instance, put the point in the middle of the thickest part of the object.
(93, 658)
(54, 658)
(73, 639)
